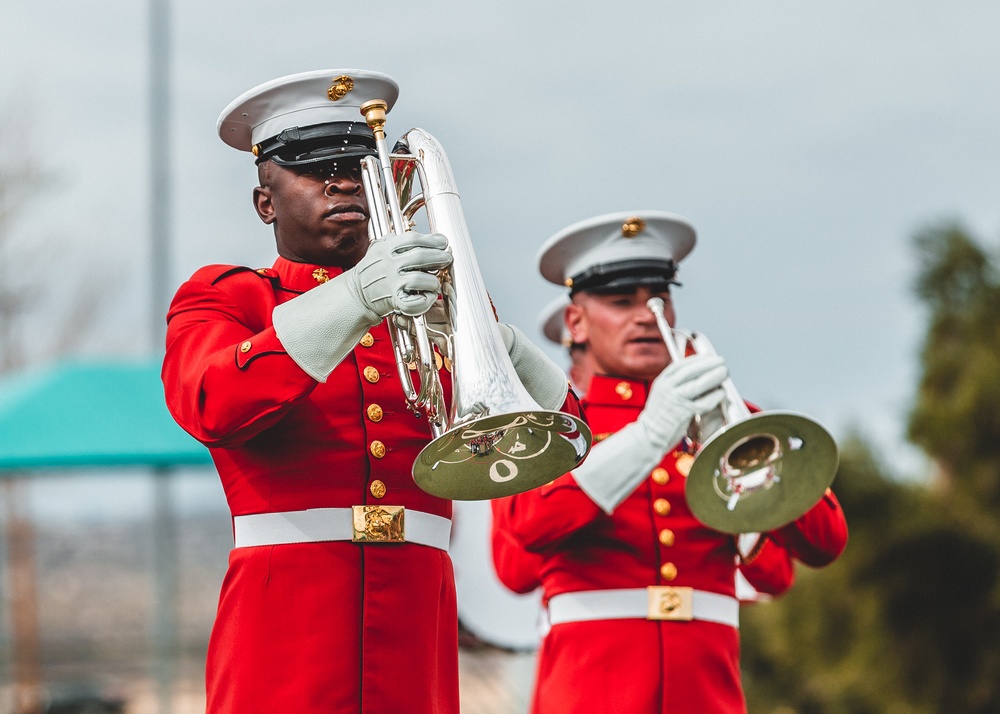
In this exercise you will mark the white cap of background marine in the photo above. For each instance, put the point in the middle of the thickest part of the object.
(617, 250)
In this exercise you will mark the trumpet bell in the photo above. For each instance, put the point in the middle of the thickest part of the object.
(501, 455)
(761, 473)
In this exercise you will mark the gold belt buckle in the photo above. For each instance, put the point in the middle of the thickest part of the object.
(669, 603)
(378, 524)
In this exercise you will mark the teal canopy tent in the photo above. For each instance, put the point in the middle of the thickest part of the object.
(76, 415)
(80, 414)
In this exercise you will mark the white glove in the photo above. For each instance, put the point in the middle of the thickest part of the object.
(684, 389)
(321, 327)
(392, 278)
(617, 465)
(544, 379)
(748, 546)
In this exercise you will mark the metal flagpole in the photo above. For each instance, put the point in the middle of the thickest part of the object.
(164, 520)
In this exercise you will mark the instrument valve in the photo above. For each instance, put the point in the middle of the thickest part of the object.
(688, 446)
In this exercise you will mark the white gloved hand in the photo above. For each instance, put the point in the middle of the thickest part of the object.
(748, 546)
(544, 379)
(681, 391)
(392, 276)
(320, 327)
(617, 465)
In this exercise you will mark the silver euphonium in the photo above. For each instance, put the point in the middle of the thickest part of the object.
(493, 439)
(753, 472)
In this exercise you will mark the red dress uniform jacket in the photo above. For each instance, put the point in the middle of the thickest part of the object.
(652, 538)
(310, 627)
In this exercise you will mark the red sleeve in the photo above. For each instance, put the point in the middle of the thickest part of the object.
(771, 570)
(540, 519)
(819, 537)
(517, 569)
(226, 376)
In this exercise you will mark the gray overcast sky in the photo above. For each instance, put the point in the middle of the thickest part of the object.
(805, 141)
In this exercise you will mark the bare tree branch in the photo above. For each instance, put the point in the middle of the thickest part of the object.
(41, 316)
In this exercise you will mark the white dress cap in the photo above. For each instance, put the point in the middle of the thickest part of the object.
(628, 240)
(552, 322)
(301, 100)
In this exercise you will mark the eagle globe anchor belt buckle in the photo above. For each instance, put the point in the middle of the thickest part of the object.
(378, 524)
(670, 603)
(653, 603)
(366, 524)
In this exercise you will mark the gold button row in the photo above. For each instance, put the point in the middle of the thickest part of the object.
(375, 414)
(661, 477)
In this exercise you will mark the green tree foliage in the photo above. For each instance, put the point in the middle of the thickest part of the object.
(956, 419)
(819, 649)
(908, 620)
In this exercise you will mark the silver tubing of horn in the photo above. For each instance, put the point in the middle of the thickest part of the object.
(383, 201)
(656, 306)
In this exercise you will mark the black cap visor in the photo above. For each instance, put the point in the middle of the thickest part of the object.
(318, 144)
(626, 276)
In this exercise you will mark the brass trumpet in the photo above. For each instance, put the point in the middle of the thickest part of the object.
(759, 471)
(493, 439)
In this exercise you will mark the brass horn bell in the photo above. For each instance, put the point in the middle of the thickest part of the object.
(493, 439)
(757, 472)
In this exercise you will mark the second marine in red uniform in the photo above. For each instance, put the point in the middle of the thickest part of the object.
(640, 596)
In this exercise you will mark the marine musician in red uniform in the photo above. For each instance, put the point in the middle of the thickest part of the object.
(615, 536)
(768, 574)
(340, 595)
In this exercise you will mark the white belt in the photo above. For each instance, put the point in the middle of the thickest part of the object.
(361, 524)
(658, 602)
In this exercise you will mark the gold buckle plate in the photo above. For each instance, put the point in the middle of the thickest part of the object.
(378, 524)
(669, 603)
